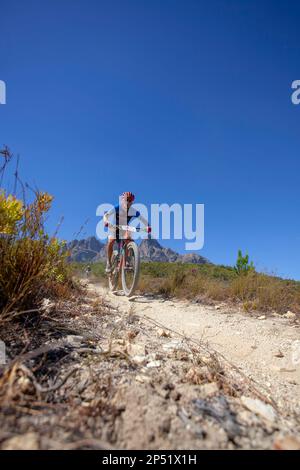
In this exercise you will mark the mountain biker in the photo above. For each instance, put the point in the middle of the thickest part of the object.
(121, 212)
(88, 270)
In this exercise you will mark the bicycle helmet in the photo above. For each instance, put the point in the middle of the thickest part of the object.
(128, 196)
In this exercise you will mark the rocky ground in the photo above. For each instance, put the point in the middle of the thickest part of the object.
(106, 372)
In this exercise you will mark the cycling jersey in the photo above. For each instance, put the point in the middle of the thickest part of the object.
(122, 217)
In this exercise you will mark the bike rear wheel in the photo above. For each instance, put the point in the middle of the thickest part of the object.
(130, 269)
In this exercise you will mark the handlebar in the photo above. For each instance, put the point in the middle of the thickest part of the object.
(128, 228)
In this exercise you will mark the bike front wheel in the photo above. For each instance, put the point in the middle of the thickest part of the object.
(113, 276)
(130, 268)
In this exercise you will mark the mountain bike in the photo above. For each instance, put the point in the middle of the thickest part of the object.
(87, 272)
(125, 260)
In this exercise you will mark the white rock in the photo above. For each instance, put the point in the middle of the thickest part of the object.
(152, 357)
(74, 340)
(28, 441)
(163, 333)
(289, 315)
(174, 345)
(136, 349)
(207, 360)
(47, 305)
(154, 364)
(143, 379)
(218, 307)
(139, 360)
(260, 408)
(262, 317)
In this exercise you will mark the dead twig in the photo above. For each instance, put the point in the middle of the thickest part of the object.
(54, 387)
(91, 443)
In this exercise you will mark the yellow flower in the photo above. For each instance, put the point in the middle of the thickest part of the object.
(11, 212)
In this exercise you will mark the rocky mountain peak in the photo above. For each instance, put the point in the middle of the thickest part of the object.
(91, 250)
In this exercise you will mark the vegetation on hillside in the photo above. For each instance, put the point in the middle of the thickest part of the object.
(213, 283)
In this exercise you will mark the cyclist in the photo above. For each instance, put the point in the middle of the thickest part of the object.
(88, 271)
(121, 213)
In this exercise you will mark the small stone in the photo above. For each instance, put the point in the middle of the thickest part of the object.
(139, 359)
(287, 443)
(163, 333)
(289, 315)
(207, 360)
(260, 408)
(262, 317)
(47, 305)
(209, 390)
(153, 364)
(73, 340)
(143, 379)
(221, 306)
(28, 441)
(153, 357)
(174, 345)
(135, 349)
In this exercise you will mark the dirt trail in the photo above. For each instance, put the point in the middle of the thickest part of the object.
(261, 347)
(115, 376)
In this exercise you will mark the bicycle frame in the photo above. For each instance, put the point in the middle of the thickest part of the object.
(122, 251)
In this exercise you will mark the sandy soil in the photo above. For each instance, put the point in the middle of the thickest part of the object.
(262, 348)
(150, 373)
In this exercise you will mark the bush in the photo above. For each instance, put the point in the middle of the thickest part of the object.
(32, 263)
(242, 264)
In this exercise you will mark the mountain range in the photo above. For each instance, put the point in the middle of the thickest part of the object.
(91, 250)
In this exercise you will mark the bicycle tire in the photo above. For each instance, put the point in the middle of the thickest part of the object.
(129, 290)
(113, 276)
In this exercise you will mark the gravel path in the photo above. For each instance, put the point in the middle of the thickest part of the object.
(266, 349)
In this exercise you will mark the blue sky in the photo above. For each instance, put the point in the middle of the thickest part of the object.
(178, 101)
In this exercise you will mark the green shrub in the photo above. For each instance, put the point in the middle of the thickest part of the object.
(242, 264)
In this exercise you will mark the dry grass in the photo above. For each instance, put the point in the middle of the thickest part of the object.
(212, 283)
(263, 292)
(255, 291)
